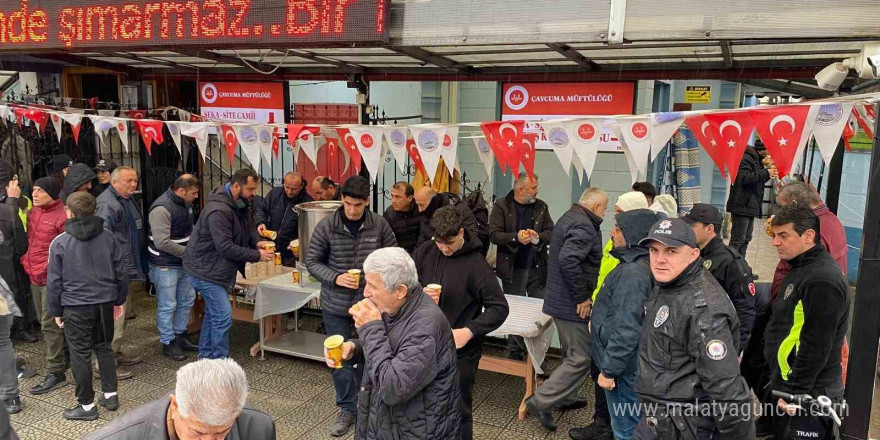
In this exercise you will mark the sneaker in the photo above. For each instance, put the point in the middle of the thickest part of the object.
(172, 351)
(342, 425)
(78, 413)
(112, 404)
(184, 343)
(598, 430)
(51, 382)
(123, 361)
(13, 405)
(26, 373)
(545, 417)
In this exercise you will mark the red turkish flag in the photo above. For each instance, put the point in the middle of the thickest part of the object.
(151, 131)
(230, 141)
(413, 151)
(196, 118)
(848, 133)
(505, 139)
(19, 116)
(347, 141)
(137, 114)
(734, 131)
(781, 128)
(93, 102)
(865, 116)
(527, 153)
(39, 117)
(706, 135)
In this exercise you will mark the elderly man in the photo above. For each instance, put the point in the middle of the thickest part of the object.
(223, 240)
(208, 402)
(122, 217)
(341, 242)
(403, 216)
(410, 386)
(573, 268)
(325, 189)
(277, 213)
(171, 223)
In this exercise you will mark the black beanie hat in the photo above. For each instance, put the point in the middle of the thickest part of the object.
(50, 185)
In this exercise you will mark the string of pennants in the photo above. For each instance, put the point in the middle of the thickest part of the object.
(724, 134)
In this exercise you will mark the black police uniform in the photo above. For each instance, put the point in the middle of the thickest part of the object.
(804, 338)
(689, 378)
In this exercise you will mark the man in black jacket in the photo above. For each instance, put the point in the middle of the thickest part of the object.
(726, 265)
(223, 240)
(277, 213)
(808, 324)
(429, 201)
(469, 296)
(746, 197)
(79, 178)
(325, 189)
(403, 216)
(573, 269)
(688, 369)
(86, 288)
(341, 242)
(12, 248)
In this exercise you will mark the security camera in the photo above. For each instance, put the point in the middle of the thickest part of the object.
(831, 77)
(867, 64)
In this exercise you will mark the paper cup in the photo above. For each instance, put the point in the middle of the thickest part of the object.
(294, 247)
(357, 275)
(436, 287)
(333, 344)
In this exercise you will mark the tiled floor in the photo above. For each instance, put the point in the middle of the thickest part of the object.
(297, 393)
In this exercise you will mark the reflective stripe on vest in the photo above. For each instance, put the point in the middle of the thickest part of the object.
(791, 342)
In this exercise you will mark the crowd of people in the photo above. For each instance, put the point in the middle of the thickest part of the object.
(664, 318)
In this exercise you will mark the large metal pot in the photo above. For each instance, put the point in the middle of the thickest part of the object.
(310, 214)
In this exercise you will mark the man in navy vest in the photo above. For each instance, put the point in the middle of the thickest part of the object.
(171, 223)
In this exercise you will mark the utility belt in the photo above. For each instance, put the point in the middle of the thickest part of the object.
(677, 420)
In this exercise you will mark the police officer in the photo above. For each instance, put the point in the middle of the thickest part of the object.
(804, 337)
(689, 379)
(726, 265)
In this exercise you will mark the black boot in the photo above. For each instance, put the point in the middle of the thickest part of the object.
(184, 343)
(51, 382)
(13, 405)
(22, 333)
(173, 352)
(600, 429)
(545, 417)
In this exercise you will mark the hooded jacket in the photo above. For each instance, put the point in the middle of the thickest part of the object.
(44, 224)
(747, 192)
(124, 219)
(223, 240)
(574, 263)
(277, 212)
(86, 267)
(410, 386)
(78, 175)
(333, 250)
(471, 296)
(502, 232)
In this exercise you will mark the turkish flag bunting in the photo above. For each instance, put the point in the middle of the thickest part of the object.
(19, 115)
(230, 141)
(39, 117)
(151, 131)
(93, 102)
(137, 114)
(706, 135)
(865, 116)
(505, 139)
(849, 132)
(413, 151)
(56, 121)
(75, 121)
(527, 153)
(347, 141)
(734, 130)
(782, 129)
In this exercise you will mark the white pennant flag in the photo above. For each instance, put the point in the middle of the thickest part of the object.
(183, 115)
(197, 131)
(174, 129)
(807, 133)
(306, 142)
(578, 168)
(396, 138)
(67, 101)
(560, 141)
(484, 152)
(428, 138)
(249, 139)
(56, 121)
(663, 126)
(585, 135)
(634, 136)
(107, 113)
(5, 113)
(267, 136)
(449, 149)
(369, 142)
(122, 130)
(828, 127)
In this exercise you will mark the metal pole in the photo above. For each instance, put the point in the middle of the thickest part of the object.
(835, 174)
(866, 327)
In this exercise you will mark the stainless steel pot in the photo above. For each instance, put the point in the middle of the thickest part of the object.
(310, 214)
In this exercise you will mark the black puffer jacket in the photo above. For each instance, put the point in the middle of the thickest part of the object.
(410, 386)
(747, 193)
(574, 263)
(223, 240)
(502, 232)
(277, 212)
(333, 251)
(406, 226)
(78, 175)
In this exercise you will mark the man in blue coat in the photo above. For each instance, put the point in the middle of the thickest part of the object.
(571, 277)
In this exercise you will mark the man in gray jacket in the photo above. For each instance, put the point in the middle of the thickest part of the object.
(208, 402)
(341, 242)
(410, 388)
(123, 218)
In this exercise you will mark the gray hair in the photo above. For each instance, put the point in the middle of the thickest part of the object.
(799, 193)
(522, 180)
(117, 173)
(394, 265)
(212, 391)
(592, 196)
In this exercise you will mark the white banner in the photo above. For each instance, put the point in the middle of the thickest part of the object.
(396, 138)
(828, 127)
(636, 141)
(369, 142)
(56, 121)
(174, 129)
(306, 141)
(663, 126)
(249, 139)
(586, 136)
(485, 154)
(199, 132)
(428, 138)
(449, 149)
(560, 140)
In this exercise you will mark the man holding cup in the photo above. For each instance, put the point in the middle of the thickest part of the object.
(337, 249)
(465, 288)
